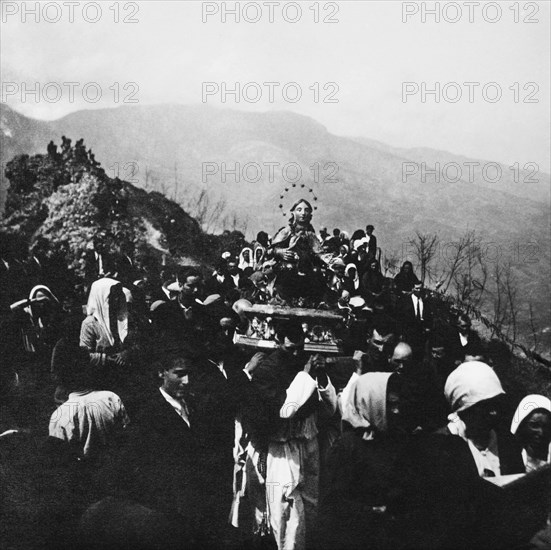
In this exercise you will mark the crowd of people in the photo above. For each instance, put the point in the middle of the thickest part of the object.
(139, 423)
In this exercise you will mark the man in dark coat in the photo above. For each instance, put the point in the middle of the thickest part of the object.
(218, 387)
(372, 245)
(184, 315)
(414, 316)
(464, 341)
(159, 466)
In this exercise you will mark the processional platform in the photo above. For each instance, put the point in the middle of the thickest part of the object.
(321, 328)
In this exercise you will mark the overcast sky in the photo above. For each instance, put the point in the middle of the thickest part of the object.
(369, 53)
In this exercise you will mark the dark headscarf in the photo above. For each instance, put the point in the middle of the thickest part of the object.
(406, 281)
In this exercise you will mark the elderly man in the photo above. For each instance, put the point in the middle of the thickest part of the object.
(422, 396)
(291, 392)
(401, 360)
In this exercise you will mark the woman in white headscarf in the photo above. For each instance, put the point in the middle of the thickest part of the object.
(352, 279)
(473, 392)
(246, 259)
(532, 426)
(360, 465)
(106, 325)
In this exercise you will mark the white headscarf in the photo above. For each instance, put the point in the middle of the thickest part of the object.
(528, 405)
(35, 293)
(243, 263)
(42, 290)
(356, 277)
(366, 407)
(258, 255)
(468, 384)
(98, 306)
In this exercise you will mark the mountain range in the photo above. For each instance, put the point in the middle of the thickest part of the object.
(181, 150)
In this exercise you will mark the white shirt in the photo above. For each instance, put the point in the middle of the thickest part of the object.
(486, 459)
(179, 406)
(417, 303)
(220, 367)
(100, 262)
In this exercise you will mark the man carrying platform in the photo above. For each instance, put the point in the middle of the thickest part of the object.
(291, 392)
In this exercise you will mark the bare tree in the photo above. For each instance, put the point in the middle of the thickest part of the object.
(533, 328)
(208, 212)
(454, 256)
(161, 186)
(511, 290)
(175, 189)
(505, 303)
(499, 312)
(147, 183)
(425, 247)
(235, 223)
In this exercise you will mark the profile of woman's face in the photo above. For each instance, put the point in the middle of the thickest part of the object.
(302, 213)
(117, 298)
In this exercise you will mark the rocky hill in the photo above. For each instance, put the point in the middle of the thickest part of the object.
(61, 200)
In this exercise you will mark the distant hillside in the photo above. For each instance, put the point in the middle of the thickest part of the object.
(168, 147)
(533, 183)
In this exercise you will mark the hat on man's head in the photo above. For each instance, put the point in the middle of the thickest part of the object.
(156, 305)
(356, 302)
(174, 287)
(212, 299)
(337, 263)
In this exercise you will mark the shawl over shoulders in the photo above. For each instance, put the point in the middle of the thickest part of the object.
(288, 237)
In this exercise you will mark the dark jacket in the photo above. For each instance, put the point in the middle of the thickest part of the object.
(411, 327)
(439, 500)
(372, 247)
(510, 452)
(357, 486)
(159, 465)
(459, 351)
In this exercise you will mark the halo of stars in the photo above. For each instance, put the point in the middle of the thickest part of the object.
(290, 187)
